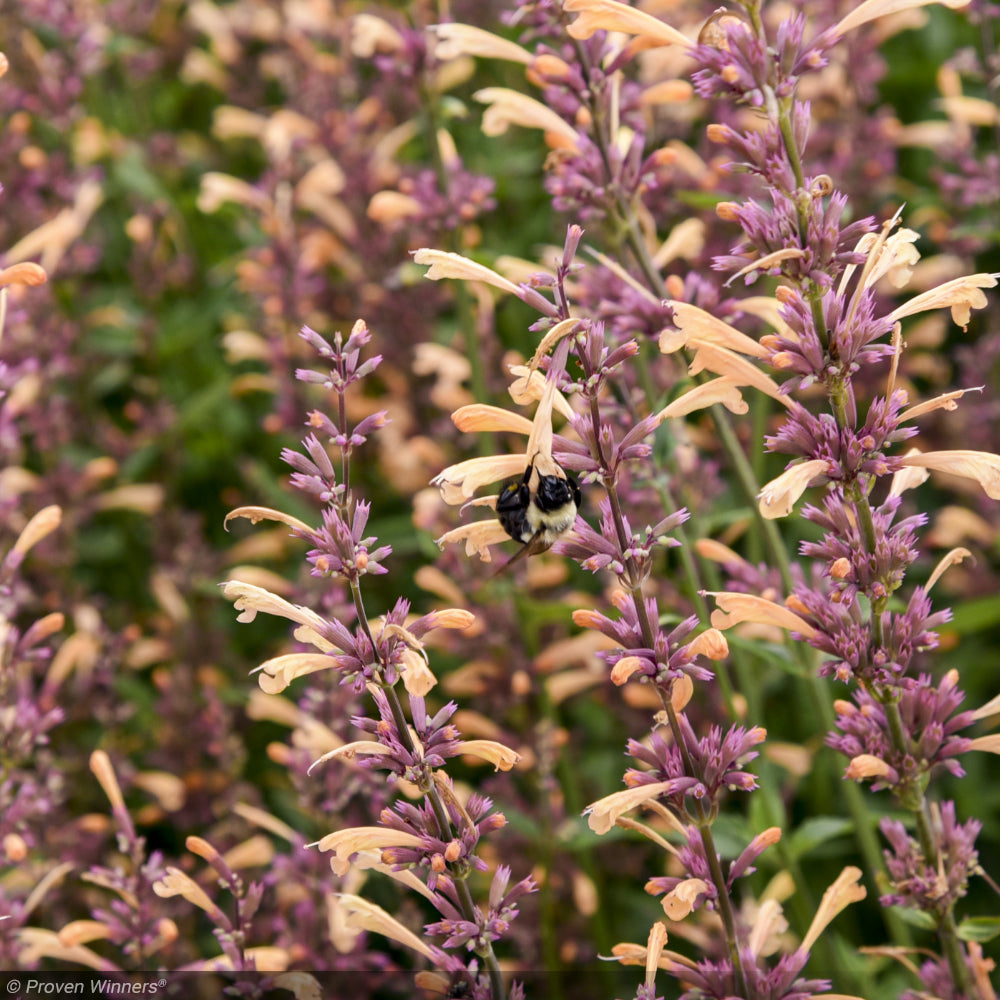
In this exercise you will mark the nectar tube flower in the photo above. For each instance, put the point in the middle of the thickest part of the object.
(460, 482)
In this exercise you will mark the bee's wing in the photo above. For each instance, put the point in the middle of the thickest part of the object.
(532, 547)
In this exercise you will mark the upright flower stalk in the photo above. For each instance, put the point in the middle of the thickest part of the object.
(831, 329)
(833, 332)
(430, 847)
(680, 775)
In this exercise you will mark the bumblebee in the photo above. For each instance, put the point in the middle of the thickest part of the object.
(539, 509)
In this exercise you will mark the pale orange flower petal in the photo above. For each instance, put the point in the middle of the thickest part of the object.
(369, 917)
(768, 261)
(717, 390)
(551, 338)
(176, 883)
(679, 902)
(100, 765)
(26, 273)
(603, 813)
(872, 9)
(610, 15)
(482, 417)
(452, 265)
(866, 765)
(624, 668)
(778, 497)
(501, 757)
(711, 643)
(454, 40)
(344, 843)
(655, 944)
(734, 608)
(478, 537)
(255, 514)
(530, 386)
(41, 524)
(961, 295)
(946, 401)
(729, 364)
(982, 466)
(418, 678)
(371, 34)
(459, 482)
(392, 206)
(990, 744)
(844, 891)
(694, 322)
(350, 750)
(953, 558)
(249, 599)
(507, 107)
(992, 707)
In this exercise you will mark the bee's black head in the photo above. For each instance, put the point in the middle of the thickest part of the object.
(555, 492)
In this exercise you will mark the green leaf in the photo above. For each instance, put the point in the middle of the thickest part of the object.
(975, 616)
(979, 929)
(916, 918)
(814, 832)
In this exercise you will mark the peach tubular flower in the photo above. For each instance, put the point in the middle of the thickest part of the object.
(41, 524)
(459, 482)
(624, 668)
(951, 558)
(872, 9)
(946, 401)
(844, 891)
(100, 766)
(711, 644)
(255, 514)
(418, 678)
(501, 757)
(218, 188)
(866, 765)
(483, 417)
(734, 608)
(478, 537)
(363, 915)
(551, 338)
(35, 943)
(350, 750)
(248, 600)
(777, 498)
(277, 673)
(679, 902)
(982, 466)
(344, 843)
(694, 322)
(722, 361)
(26, 273)
(454, 40)
(371, 34)
(444, 264)
(611, 15)
(53, 239)
(392, 206)
(718, 390)
(603, 813)
(510, 107)
(961, 295)
(530, 385)
(655, 944)
(176, 883)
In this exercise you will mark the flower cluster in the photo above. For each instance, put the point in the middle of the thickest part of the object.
(431, 847)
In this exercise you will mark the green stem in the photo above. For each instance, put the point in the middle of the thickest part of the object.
(430, 791)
